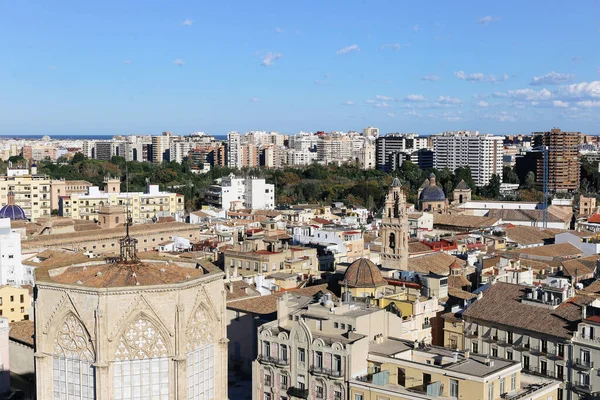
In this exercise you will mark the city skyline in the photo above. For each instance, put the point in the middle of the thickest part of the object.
(115, 68)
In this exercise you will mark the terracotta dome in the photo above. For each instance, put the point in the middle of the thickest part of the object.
(362, 273)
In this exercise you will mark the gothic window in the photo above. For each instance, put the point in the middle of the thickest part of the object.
(73, 373)
(392, 241)
(141, 370)
(200, 356)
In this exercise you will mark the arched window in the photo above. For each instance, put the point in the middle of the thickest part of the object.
(392, 240)
(73, 371)
(200, 356)
(141, 370)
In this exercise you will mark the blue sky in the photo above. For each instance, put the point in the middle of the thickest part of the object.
(119, 67)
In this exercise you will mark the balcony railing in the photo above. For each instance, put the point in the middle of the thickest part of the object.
(297, 392)
(582, 387)
(335, 373)
(472, 334)
(543, 372)
(581, 363)
(273, 360)
(539, 349)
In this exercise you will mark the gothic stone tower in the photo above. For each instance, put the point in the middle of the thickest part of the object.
(394, 229)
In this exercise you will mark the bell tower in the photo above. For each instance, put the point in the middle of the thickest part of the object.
(394, 229)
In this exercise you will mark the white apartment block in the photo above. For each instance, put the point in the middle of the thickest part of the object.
(253, 193)
(12, 271)
(234, 150)
(300, 158)
(334, 149)
(370, 131)
(303, 141)
(483, 153)
(161, 147)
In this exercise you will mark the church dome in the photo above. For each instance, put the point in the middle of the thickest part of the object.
(362, 273)
(11, 210)
(432, 192)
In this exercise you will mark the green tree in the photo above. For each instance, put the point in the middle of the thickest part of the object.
(509, 175)
(464, 173)
(77, 158)
(492, 189)
(530, 180)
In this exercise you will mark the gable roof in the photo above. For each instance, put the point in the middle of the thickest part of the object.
(501, 304)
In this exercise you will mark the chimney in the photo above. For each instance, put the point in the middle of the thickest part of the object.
(230, 287)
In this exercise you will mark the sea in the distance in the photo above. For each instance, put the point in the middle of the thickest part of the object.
(75, 137)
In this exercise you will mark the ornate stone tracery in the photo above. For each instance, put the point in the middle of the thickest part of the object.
(200, 329)
(141, 340)
(73, 341)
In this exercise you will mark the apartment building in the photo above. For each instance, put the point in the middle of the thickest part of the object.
(61, 187)
(254, 193)
(531, 324)
(397, 146)
(144, 206)
(246, 262)
(234, 150)
(370, 131)
(15, 303)
(346, 244)
(334, 149)
(563, 159)
(401, 370)
(161, 147)
(300, 157)
(12, 271)
(481, 153)
(29, 191)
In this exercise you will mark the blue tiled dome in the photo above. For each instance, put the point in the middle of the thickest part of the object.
(432, 192)
(12, 211)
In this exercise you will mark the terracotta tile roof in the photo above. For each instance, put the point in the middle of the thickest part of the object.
(237, 290)
(580, 266)
(594, 287)
(104, 275)
(22, 332)
(501, 305)
(55, 259)
(527, 235)
(437, 263)
(554, 215)
(594, 219)
(460, 294)
(551, 250)
(265, 305)
(464, 221)
(416, 247)
(363, 273)
(458, 281)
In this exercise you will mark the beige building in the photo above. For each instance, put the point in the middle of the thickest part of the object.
(244, 261)
(131, 329)
(144, 207)
(105, 241)
(61, 187)
(400, 370)
(394, 229)
(31, 193)
(15, 303)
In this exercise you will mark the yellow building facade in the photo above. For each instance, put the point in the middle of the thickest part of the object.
(15, 302)
(31, 193)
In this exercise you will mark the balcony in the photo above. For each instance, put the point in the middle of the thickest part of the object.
(333, 373)
(545, 373)
(472, 335)
(583, 364)
(273, 360)
(298, 393)
(581, 387)
(539, 350)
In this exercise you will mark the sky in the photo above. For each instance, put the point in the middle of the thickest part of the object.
(143, 67)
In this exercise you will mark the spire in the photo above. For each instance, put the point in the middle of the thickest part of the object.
(396, 182)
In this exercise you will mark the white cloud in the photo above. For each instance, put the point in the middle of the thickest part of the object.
(383, 104)
(269, 58)
(384, 98)
(488, 19)
(588, 103)
(254, 99)
(187, 22)
(483, 104)
(347, 49)
(416, 28)
(127, 62)
(395, 46)
(179, 62)
(279, 30)
(552, 78)
(390, 115)
(414, 97)
(413, 113)
(430, 78)
(480, 77)
(448, 100)
(370, 101)
(527, 94)
(560, 104)
(448, 116)
(348, 103)
(501, 116)
(581, 90)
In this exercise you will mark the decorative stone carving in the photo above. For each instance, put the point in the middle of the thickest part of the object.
(200, 329)
(141, 340)
(72, 340)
